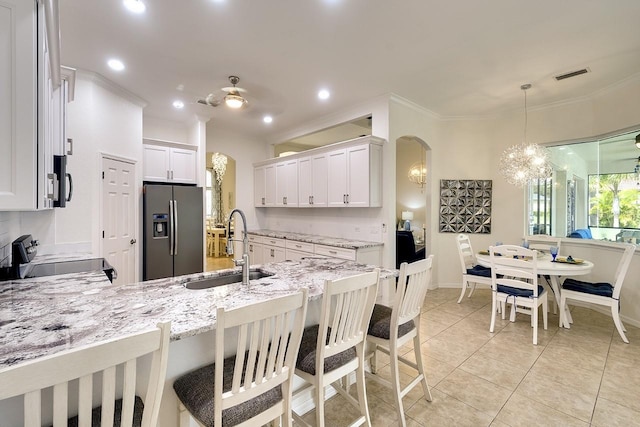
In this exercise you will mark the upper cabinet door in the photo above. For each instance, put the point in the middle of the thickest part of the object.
(183, 166)
(337, 182)
(163, 163)
(155, 163)
(259, 197)
(18, 105)
(358, 176)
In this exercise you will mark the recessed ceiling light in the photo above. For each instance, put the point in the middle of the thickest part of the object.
(116, 64)
(267, 119)
(135, 6)
(324, 94)
(178, 104)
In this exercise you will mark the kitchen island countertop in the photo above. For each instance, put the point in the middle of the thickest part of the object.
(45, 315)
(321, 240)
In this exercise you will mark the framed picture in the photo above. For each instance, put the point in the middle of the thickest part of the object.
(465, 206)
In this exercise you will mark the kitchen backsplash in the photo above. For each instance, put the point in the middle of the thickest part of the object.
(9, 230)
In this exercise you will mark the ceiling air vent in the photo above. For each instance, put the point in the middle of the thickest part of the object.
(572, 74)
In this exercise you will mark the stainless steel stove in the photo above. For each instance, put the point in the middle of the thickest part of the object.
(24, 251)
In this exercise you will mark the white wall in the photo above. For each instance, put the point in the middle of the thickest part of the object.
(103, 118)
(165, 130)
(245, 150)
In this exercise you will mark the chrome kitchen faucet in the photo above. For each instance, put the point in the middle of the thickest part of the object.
(244, 262)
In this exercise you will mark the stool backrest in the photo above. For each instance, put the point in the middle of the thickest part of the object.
(267, 338)
(115, 361)
(413, 283)
(347, 305)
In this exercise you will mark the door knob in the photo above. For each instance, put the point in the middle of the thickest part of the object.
(132, 241)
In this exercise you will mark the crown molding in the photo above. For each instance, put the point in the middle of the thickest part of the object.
(107, 84)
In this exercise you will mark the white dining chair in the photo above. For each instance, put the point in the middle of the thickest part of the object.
(472, 272)
(391, 328)
(334, 348)
(600, 293)
(253, 386)
(543, 244)
(113, 363)
(514, 280)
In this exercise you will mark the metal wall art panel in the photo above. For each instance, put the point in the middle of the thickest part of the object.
(465, 206)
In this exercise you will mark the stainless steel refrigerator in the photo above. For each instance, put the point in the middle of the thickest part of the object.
(173, 231)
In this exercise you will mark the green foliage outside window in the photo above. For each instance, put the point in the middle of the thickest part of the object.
(614, 200)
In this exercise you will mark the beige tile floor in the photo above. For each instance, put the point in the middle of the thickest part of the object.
(585, 376)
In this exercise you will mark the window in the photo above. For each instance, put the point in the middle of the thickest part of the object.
(541, 202)
(595, 185)
(614, 205)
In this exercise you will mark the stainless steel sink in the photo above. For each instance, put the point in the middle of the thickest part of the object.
(226, 279)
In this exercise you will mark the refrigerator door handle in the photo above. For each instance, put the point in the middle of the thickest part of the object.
(175, 223)
(172, 228)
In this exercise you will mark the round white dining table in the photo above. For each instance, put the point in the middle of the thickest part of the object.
(554, 270)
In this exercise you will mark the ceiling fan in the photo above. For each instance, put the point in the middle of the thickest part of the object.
(233, 96)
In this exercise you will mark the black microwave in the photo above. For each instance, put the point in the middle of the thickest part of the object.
(61, 196)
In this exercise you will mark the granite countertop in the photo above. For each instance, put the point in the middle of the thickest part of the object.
(41, 316)
(321, 240)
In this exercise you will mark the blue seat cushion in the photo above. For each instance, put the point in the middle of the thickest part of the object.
(380, 324)
(517, 292)
(479, 270)
(306, 360)
(195, 391)
(601, 288)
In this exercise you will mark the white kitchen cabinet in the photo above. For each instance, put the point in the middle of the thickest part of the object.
(287, 183)
(259, 187)
(273, 249)
(313, 181)
(256, 249)
(354, 175)
(297, 250)
(28, 63)
(270, 185)
(345, 174)
(168, 163)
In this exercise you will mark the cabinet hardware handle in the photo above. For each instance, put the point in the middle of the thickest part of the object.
(333, 252)
(263, 200)
(168, 175)
(347, 198)
(132, 241)
(310, 202)
(272, 253)
(171, 174)
(53, 178)
(298, 246)
(70, 150)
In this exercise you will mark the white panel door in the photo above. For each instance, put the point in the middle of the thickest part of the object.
(119, 218)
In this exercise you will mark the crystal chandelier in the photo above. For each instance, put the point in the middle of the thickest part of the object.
(521, 163)
(219, 166)
(418, 172)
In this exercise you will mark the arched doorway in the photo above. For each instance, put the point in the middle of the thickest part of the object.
(220, 199)
(413, 189)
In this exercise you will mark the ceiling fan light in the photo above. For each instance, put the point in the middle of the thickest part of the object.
(638, 140)
(234, 101)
